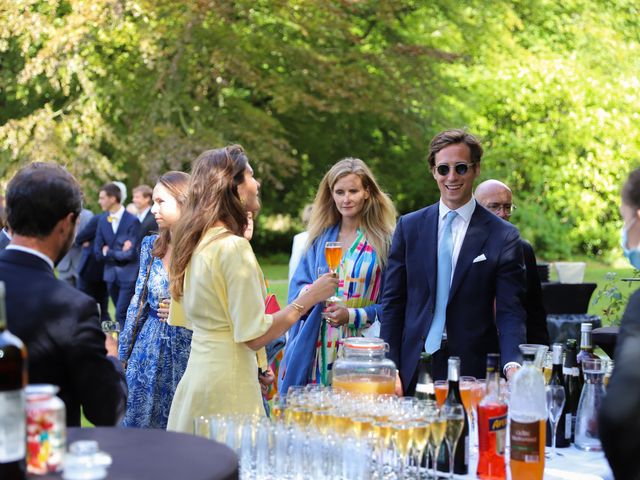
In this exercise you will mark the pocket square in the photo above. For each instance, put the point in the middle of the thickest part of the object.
(479, 258)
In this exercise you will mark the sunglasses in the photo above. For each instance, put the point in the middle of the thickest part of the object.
(460, 168)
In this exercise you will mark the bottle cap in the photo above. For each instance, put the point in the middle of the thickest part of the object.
(586, 327)
(557, 353)
(493, 362)
(572, 344)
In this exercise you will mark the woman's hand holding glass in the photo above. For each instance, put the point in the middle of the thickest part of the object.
(336, 314)
(323, 287)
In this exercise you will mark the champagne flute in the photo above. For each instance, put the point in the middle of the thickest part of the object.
(454, 415)
(555, 404)
(436, 436)
(333, 256)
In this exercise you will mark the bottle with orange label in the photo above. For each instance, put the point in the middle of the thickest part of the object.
(492, 425)
(527, 420)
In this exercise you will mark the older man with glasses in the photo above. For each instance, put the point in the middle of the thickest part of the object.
(496, 197)
(455, 275)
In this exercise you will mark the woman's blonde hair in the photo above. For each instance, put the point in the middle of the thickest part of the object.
(212, 197)
(377, 218)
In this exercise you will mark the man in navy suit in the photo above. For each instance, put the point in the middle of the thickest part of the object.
(142, 199)
(496, 197)
(116, 245)
(90, 271)
(58, 324)
(471, 256)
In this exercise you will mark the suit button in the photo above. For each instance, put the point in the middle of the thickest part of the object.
(423, 338)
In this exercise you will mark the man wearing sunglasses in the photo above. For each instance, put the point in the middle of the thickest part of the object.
(455, 275)
(496, 197)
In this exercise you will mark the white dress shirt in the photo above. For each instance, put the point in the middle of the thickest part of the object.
(115, 219)
(459, 227)
(32, 252)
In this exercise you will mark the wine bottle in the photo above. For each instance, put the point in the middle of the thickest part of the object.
(572, 389)
(492, 425)
(461, 455)
(13, 421)
(586, 348)
(424, 387)
(557, 378)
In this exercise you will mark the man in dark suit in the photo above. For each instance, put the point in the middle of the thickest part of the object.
(143, 200)
(116, 245)
(90, 271)
(496, 197)
(455, 275)
(58, 324)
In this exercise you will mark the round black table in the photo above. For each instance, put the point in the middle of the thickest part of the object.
(141, 454)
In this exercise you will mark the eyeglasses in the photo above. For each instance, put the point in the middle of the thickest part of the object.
(507, 208)
(460, 168)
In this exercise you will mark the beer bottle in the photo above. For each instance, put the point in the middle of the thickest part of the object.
(492, 425)
(424, 387)
(572, 389)
(13, 423)
(461, 455)
(557, 378)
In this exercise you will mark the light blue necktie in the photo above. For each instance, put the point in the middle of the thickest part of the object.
(445, 251)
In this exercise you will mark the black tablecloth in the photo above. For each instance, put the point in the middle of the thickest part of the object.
(562, 327)
(140, 454)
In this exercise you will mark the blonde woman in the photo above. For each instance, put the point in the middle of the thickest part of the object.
(350, 208)
(218, 291)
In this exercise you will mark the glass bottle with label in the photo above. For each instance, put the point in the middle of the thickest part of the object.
(13, 378)
(563, 435)
(424, 387)
(527, 420)
(492, 425)
(572, 388)
(461, 455)
(586, 347)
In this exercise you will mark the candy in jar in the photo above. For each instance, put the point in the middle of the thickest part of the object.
(46, 429)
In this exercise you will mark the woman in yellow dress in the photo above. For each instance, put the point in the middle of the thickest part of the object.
(218, 291)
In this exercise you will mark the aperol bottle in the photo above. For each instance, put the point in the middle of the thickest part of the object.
(492, 425)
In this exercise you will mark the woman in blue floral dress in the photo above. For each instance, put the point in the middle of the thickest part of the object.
(158, 357)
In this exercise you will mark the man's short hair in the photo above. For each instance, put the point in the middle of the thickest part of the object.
(145, 190)
(39, 196)
(631, 189)
(112, 190)
(453, 137)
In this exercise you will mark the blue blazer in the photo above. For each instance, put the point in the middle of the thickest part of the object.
(478, 286)
(119, 266)
(89, 269)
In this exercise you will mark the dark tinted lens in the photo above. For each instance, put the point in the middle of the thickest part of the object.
(443, 170)
(461, 168)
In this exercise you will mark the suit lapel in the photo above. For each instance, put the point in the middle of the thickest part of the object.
(124, 222)
(107, 231)
(472, 245)
(428, 236)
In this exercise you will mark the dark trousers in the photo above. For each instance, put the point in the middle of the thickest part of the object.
(439, 368)
(97, 290)
(121, 293)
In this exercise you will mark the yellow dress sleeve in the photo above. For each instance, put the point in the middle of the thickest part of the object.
(177, 317)
(246, 291)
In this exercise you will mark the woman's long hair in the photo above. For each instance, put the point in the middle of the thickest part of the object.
(377, 218)
(176, 184)
(212, 197)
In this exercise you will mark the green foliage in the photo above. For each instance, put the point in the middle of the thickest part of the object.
(613, 298)
(130, 88)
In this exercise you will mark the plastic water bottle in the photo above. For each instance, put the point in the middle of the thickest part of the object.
(527, 420)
